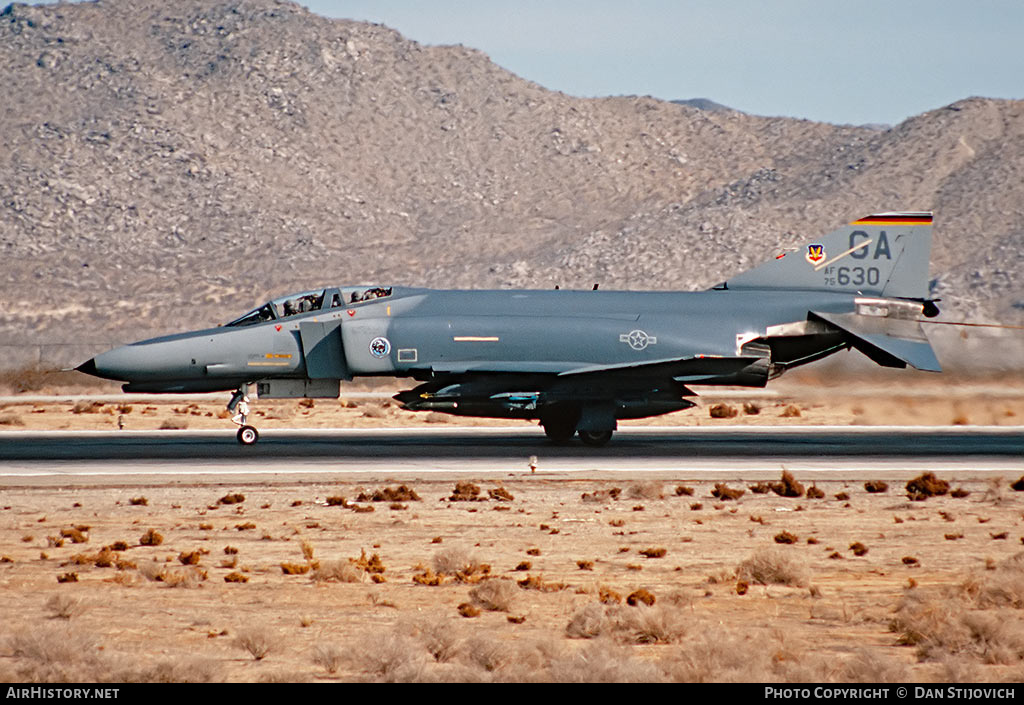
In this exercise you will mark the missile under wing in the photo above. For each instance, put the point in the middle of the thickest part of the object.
(576, 361)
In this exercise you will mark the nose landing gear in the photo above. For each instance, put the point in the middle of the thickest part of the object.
(247, 435)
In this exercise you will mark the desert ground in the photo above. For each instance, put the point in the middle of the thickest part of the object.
(532, 577)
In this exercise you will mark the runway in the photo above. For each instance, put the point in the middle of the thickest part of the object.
(399, 452)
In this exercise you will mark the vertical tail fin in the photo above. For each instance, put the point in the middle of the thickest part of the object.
(885, 254)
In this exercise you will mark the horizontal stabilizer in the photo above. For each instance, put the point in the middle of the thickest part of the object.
(891, 342)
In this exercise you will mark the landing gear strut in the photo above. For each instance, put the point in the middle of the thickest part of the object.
(247, 435)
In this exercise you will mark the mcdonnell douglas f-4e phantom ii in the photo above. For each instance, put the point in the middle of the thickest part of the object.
(577, 361)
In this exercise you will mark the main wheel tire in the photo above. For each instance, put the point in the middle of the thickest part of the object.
(595, 438)
(247, 435)
(559, 431)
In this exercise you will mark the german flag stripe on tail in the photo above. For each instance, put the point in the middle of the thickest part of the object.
(895, 219)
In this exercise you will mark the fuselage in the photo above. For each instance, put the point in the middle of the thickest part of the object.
(418, 333)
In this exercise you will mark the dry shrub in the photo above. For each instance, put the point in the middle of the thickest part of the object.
(772, 567)
(646, 490)
(588, 623)
(585, 565)
(791, 412)
(959, 493)
(751, 409)
(307, 549)
(524, 565)
(453, 560)
(469, 610)
(532, 582)
(56, 653)
(684, 491)
(760, 488)
(602, 495)
(337, 571)
(189, 577)
(696, 507)
(372, 565)
(876, 486)
(76, 535)
(441, 637)
(602, 661)
(428, 577)
(295, 568)
(724, 492)
(173, 425)
(870, 666)
(11, 420)
(814, 493)
(1018, 485)
(842, 496)
(139, 502)
(67, 578)
(786, 537)
(500, 494)
(65, 606)
(190, 557)
(650, 625)
(640, 596)
(246, 526)
(742, 586)
(495, 595)
(911, 561)
(466, 492)
(391, 658)
(658, 552)
(336, 501)
(926, 485)
(230, 551)
(858, 548)
(1001, 587)
(788, 486)
(607, 596)
(329, 657)
(258, 641)
(401, 493)
(722, 411)
(151, 538)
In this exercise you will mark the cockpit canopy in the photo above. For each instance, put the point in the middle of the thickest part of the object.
(310, 301)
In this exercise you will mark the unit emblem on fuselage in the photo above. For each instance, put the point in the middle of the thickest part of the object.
(380, 347)
(637, 339)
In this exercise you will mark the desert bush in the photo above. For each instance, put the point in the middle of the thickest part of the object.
(654, 552)
(602, 495)
(441, 637)
(1018, 485)
(607, 596)
(869, 666)
(11, 420)
(232, 498)
(585, 565)
(468, 610)
(295, 568)
(786, 537)
(588, 623)
(455, 559)
(660, 624)
(151, 538)
(724, 492)
(684, 491)
(258, 641)
(329, 657)
(495, 595)
(813, 492)
(791, 412)
(640, 596)
(337, 571)
(500, 494)
(138, 502)
(602, 661)
(751, 409)
(926, 485)
(772, 567)
(722, 411)
(236, 578)
(760, 488)
(788, 486)
(858, 548)
(55, 653)
(876, 486)
(466, 492)
(488, 653)
(401, 493)
(646, 490)
(65, 606)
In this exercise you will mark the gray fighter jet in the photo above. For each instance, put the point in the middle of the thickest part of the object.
(577, 361)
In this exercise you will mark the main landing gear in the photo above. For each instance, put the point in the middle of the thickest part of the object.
(247, 435)
(561, 427)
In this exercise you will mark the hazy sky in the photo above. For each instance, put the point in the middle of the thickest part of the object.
(841, 61)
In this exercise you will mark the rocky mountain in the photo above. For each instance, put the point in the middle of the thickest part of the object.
(165, 166)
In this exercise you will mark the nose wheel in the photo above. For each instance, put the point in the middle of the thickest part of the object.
(247, 435)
